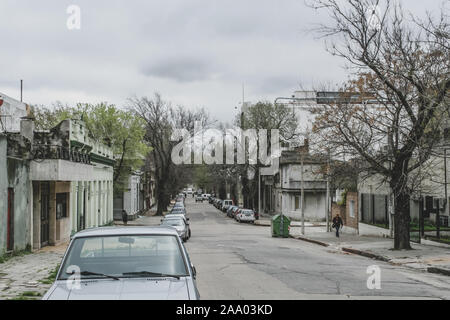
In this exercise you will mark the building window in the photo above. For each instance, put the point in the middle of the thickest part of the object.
(297, 202)
(435, 203)
(352, 208)
(61, 205)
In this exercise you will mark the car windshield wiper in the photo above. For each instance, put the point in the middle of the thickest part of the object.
(89, 273)
(149, 273)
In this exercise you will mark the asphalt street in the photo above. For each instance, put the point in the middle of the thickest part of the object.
(242, 261)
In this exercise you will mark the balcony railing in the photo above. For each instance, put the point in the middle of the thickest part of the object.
(56, 152)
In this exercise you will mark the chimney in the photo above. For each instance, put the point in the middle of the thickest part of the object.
(305, 147)
(27, 128)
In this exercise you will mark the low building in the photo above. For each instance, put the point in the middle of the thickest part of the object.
(52, 183)
(281, 190)
(132, 199)
(11, 112)
(15, 192)
(72, 178)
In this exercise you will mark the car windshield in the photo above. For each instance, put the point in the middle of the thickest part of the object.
(124, 256)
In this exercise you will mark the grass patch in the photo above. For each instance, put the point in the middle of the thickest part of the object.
(9, 256)
(51, 277)
(442, 239)
(413, 227)
(31, 294)
(28, 295)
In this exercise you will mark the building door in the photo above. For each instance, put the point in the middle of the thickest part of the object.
(10, 226)
(45, 213)
(81, 208)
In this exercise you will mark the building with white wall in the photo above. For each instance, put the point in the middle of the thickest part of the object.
(11, 111)
(72, 183)
(281, 189)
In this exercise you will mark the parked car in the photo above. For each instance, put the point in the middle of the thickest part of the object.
(206, 196)
(125, 263)
(219, 204)
(230, 210)
(178, 204)
(178, 211)
(198, 198)
(211, 200)
(178, 216)
(226, 204)
(179, 224)
(245, 215)
(233, 211)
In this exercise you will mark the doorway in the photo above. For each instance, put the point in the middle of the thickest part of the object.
(10, 222)
(45, 213)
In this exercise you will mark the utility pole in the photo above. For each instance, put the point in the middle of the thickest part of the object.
(21, 90)
(302, 196)
(327, 205)
(259, 191)
(445, 181)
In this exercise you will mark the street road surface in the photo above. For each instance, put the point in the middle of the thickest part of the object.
(243, 261)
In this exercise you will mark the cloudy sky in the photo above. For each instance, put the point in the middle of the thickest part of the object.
(197, 53)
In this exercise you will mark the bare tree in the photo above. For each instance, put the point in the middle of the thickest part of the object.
(264, 115)
(161, 120)
(390, 115)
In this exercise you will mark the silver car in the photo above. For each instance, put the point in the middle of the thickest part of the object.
(180, 216)
(127, 263)
(178, 224)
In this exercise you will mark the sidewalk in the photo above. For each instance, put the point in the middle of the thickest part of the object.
(266, 222)
(26, 277)
(423, 257)
(149, 219)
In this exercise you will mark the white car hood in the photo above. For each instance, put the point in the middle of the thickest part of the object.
(124, 289)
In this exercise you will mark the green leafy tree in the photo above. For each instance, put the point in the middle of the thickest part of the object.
(106, 123)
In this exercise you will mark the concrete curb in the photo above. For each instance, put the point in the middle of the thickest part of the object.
(365, 254)
(261, 225)
(320, 243)
(445, 272)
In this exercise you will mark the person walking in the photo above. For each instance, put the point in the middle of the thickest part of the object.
(124, 217)
(337, 223)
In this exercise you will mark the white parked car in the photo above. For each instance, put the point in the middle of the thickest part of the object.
(246, 215)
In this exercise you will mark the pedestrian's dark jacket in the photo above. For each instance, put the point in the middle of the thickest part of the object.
(337, 222)
(124, 216)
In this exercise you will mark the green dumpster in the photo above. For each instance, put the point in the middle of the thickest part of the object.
(280, 226)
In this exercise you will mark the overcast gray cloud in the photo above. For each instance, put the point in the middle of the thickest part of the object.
(194, 52)
(180, 68)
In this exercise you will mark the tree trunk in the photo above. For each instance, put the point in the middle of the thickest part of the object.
(162, 194)
(402, 216)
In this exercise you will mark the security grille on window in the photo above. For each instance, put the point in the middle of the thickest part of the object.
(61, 205)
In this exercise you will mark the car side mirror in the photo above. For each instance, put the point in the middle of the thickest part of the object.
(194, 271)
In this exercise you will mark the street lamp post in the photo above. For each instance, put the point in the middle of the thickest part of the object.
(445, 181)
(302, 196)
